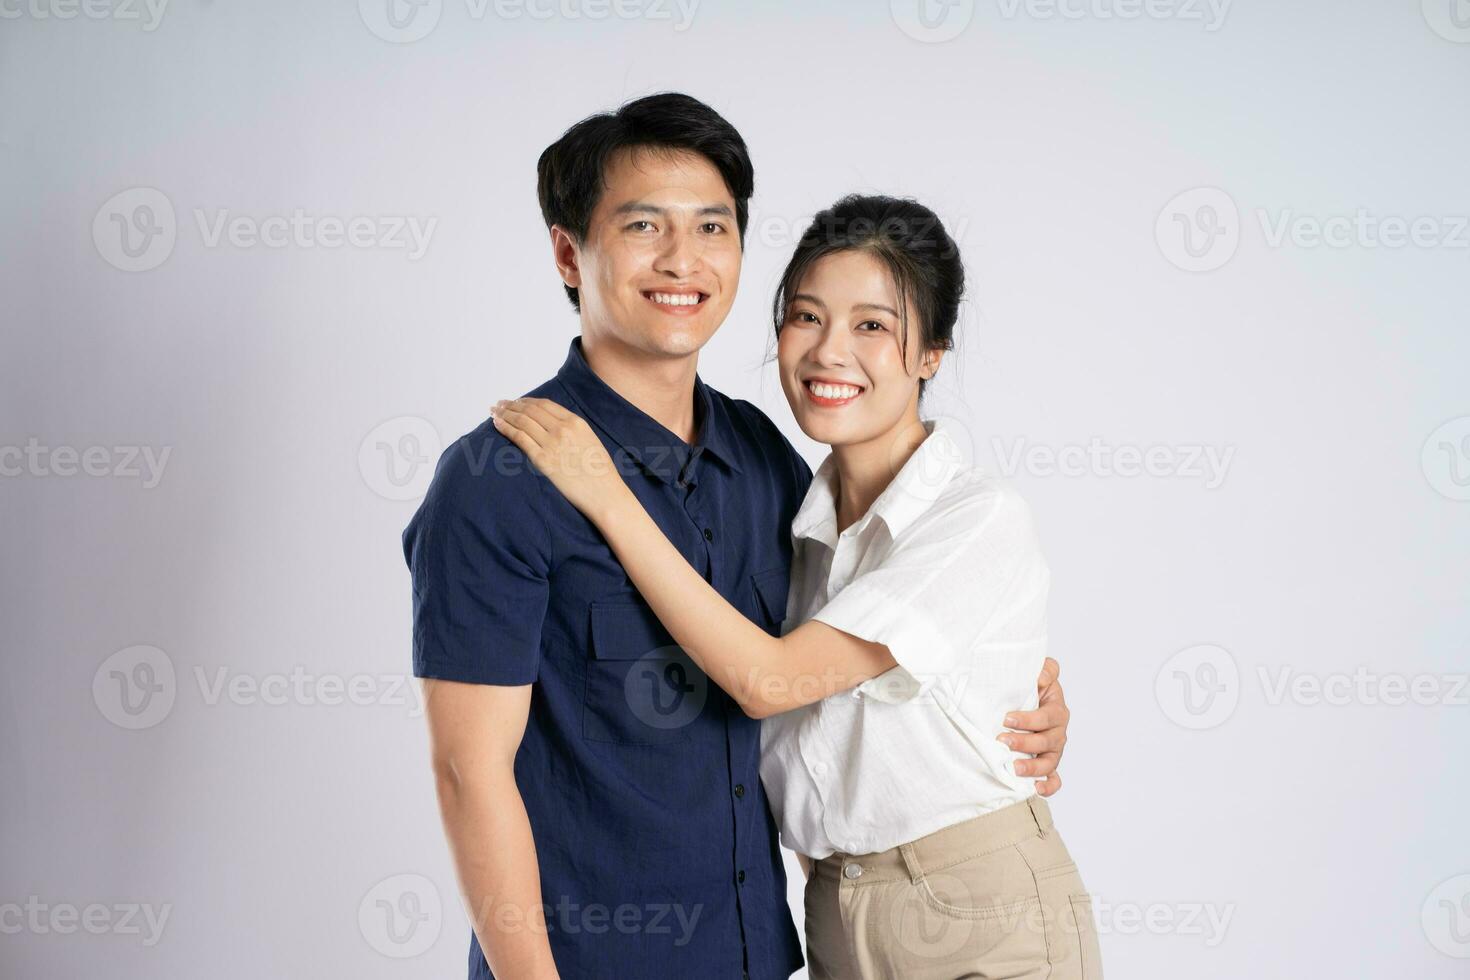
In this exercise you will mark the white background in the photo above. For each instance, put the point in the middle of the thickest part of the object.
(1330, 836)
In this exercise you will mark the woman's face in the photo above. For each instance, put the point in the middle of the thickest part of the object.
(838, 351)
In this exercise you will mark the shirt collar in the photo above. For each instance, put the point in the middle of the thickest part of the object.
(915, 487)
(656, 449)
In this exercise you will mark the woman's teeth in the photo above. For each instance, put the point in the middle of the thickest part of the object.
(676, 299)
(833, 391)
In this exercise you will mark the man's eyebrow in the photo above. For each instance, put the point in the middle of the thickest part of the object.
(637, 207)
(643, 207)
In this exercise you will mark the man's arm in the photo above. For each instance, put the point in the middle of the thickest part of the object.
(1043, 732)
(474, 730)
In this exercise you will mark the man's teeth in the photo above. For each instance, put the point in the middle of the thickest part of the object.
(676, 299)
(834, 391)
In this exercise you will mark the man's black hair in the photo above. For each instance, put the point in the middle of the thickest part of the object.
(569, 175)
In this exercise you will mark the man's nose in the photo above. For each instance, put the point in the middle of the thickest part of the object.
(681, 253)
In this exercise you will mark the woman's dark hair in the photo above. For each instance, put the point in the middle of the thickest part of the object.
(569, 175)
(910, 240)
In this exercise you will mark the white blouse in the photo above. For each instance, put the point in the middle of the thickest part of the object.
(946, 571)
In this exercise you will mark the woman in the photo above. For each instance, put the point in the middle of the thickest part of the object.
(916, 618)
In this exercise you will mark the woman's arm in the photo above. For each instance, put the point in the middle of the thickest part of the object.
(765, 675)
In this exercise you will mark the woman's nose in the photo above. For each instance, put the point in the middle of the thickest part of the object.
(832, 348)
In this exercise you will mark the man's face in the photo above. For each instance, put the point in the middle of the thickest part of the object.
(661, 260)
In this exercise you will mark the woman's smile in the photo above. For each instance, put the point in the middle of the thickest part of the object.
(826, 393)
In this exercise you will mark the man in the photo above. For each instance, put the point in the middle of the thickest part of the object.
(600, 795)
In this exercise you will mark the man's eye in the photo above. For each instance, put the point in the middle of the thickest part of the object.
(712, 227)
(641, 226)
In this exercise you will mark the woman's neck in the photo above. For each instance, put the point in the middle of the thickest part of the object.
(864, 469)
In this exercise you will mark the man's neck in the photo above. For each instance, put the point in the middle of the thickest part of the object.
(660, 387)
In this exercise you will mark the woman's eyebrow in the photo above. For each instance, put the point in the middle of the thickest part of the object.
(809, 298)
(876, 306)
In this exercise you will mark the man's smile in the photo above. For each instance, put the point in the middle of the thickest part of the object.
(678, 302)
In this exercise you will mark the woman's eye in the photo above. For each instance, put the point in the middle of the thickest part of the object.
(872, 323)
(803, 316)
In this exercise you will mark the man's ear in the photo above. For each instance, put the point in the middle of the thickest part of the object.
(564, 252)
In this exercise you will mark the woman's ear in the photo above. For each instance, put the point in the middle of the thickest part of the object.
(930, 365)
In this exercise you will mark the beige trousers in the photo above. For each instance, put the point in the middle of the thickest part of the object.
(994, 897)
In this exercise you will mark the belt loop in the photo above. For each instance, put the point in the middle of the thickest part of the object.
(911, 862)
(1039, 814)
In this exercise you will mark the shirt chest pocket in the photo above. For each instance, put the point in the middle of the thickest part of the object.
(770, 595)
(642, 688)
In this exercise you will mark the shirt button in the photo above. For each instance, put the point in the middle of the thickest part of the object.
(740, 876)
(852, 872)
(820, 768)
(739, 789)
(709, 535)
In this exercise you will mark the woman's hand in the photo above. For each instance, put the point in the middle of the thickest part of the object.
(564, 448)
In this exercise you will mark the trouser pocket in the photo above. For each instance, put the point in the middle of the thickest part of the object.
(1071, 931)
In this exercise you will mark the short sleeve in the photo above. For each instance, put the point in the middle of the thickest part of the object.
(479, 552)
(964, 571)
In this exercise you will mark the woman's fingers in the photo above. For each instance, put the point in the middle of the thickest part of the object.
(540, 410)
(518, 437)
(521, 420)
(552, 418)
(552, 408)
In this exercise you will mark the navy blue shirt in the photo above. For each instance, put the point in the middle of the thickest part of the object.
(657, 851)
